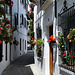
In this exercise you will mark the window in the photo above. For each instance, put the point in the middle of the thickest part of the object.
(1, 52)
(16, 19)
(25, 44)
(21, 19)
(6, 52)
(20, 43)
(66, 21)
(39, 33)
(24, 22)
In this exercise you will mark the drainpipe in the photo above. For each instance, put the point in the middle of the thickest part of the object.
(18, 11)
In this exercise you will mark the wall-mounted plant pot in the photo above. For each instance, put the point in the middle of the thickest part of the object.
(31, 16)
(53, 45)
(28, 18)
(39, 54)
(31, 4)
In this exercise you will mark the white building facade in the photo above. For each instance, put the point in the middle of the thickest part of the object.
(19, 22)
(17, 16)
(46, 17)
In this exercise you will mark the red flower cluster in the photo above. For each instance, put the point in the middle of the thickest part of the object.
(51, 39)
(9, 2)
(63, 55)
(0, 41)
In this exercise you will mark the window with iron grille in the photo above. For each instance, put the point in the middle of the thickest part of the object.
(66, 21)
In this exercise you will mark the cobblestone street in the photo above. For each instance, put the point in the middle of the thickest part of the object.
(19, 66)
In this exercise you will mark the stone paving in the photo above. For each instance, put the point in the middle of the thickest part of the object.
(20, 66)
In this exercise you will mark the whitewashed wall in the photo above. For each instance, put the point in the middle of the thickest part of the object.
(21, 31)
(46, 18)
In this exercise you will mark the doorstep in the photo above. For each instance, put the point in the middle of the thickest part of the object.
(34, 69)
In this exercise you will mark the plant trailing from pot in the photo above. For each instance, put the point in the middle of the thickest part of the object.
(39, 44)
(2, 11)
(31, 4)
(15, 42)
(52, 41)
(5, 30)
(33, 42)
(8, 2)
(31, 14)
(34, 1)
(62, 48)
(28, 15)
(71, 35)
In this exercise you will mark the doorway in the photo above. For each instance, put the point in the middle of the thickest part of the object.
(51, 51)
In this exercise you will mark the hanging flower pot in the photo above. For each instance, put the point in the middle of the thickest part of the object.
(32, 16)
(53, 45)
(31, 4)
(15, 42)
(39, 54)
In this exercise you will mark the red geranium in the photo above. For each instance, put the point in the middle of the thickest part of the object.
(51, 39)
(0, 28)
(63, 55)
(0, 41)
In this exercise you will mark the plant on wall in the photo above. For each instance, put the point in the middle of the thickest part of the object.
(39, 44)
(62, 48)
(2, 11)
(5, 30)
(8, 2)
(52, 41)
(71, 35)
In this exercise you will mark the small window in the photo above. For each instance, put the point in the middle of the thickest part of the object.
(21, 19)
(20, 43)
(16, 19)
(25, 44)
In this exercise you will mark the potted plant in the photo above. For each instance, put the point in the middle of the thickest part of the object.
(32, 42)
(15, 42)
(34, 1)
(39, 44)
(71, 35)
(2, 11)
(31, 4)
(52, 41)
(28, 15)
(5, 30)
(8, 2)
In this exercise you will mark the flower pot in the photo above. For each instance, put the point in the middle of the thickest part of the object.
(31, 4)
(53, 45)
(39, 54)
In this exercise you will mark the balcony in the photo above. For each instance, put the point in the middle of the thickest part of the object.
(45, 3)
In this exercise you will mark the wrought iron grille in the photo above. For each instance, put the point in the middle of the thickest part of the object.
(66, 21)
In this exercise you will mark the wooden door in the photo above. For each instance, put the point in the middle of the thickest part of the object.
(51, 51)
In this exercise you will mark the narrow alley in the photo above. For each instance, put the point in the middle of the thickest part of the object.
(19, 66)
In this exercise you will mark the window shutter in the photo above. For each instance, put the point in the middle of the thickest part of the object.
(22, 18)
(0, 52)
(15, 22)
(17, 18)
